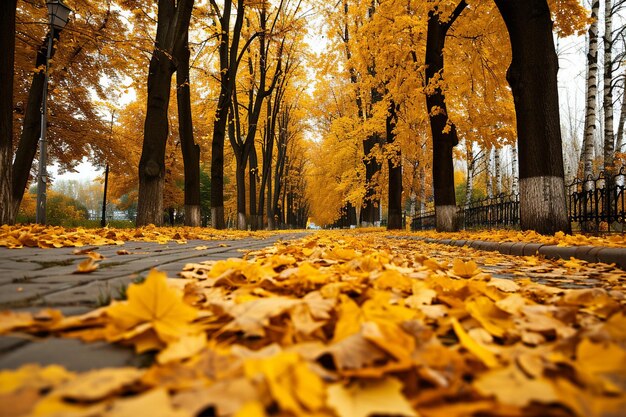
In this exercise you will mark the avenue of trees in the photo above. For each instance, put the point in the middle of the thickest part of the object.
(173, 95)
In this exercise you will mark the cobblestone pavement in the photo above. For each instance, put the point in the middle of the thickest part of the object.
(32, 279)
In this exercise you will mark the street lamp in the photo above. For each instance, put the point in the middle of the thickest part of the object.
(58, 14)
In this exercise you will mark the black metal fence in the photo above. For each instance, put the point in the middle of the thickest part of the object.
(598, 204)
(594, 205)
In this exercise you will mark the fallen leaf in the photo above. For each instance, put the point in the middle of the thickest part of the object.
(98, 384)
(86, 266)
(484, 354)
(366, 398)
(154, 302)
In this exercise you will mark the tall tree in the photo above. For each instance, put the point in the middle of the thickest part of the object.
(190, 150)
(228, 57)
(7, 45)
(443, 131)
(172, 26)
(619, 137)
(394, 162)
(257, 93)
(533, 79)
(75, 128)
(591, 93)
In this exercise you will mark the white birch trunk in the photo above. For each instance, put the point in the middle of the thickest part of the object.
(619, 140)
(609, 138)
(489, 174)
(422, 191)
(514, 170)
(498, 170)
(591, 93)
(470, 176)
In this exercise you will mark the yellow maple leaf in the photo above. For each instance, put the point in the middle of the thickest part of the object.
(156, 303)
(366, 398)
(186, 347)
(292, 384)
(465, 269)
(511, 386)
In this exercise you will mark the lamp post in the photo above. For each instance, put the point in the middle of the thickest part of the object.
(58, 14)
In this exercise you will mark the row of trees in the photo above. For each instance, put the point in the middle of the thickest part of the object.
(389, 122)
(239, 75)
(389, 58)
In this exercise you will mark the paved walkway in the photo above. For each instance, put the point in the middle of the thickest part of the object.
(32, 279)
(592, 254)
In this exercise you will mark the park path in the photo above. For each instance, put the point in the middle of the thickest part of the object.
(32, 279)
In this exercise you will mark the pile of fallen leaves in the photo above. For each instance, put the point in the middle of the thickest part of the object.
(33, 235)
(529, 236)
(340, 326)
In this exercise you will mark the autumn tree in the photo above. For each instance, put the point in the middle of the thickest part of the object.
(443, 130)
(172, 26)
(7, 45)
(260, 87)
(591, 93)
(75, 128)
(190, 150)
(533, 79)
(228, 64)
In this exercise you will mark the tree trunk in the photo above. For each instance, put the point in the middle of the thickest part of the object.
(190, 150)
(514, 170)
(622, 121)
(443, 130)
(240, 175)
(489, 173)
(172, 25)
(533, 79)
(253, 176)
(228, 69)
(394, 162)
(152, 162)
(591, 93)
(372, 167)
(31, 128)
(7, 46)
(422, 191)
(607, 100)
(469, 184)
(498, 170)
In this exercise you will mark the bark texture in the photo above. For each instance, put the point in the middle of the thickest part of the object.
(7, 46)
(190, 150)
(394, 214)
(607, 98)
(443, 130)
(591, 93)
(228, 51)
(172, 25)
(533, 79)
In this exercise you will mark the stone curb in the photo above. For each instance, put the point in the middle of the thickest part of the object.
(593, 254)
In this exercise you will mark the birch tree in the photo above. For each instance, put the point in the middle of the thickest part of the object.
(591, 93)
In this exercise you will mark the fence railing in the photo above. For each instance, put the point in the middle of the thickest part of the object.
(598, 204)
(594, 205)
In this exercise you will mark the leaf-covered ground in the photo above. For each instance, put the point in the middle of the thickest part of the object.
(32, 235)
(504, 235)
(348, 324)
